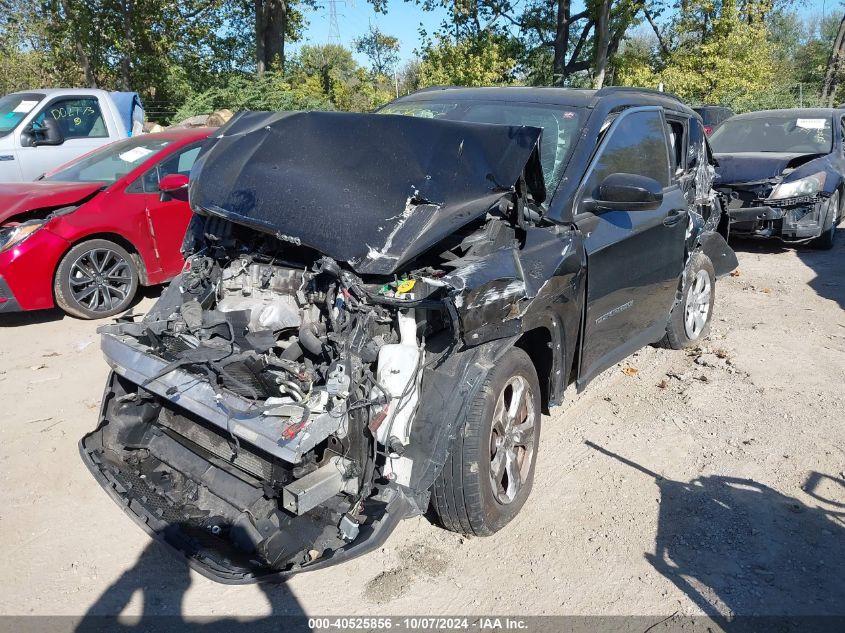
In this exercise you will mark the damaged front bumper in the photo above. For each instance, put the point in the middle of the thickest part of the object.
(792, 220)
(8, 302)
(180, 478)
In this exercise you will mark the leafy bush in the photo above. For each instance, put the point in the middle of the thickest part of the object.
(247, 92)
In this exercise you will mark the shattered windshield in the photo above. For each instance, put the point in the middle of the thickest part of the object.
(560, 125)
(111, 162)
(793, 133)
(13, 108)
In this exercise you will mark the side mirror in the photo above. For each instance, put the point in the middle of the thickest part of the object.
(172, 183)
(629, 192)
(173, 186)
(49, 134)
(27, 137)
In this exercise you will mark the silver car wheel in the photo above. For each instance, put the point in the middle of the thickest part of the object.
(100, 280)
(697, 307)
(512, 439)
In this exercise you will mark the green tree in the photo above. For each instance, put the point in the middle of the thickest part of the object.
(342, 82)
(482, 61)
(382, 50)
(271, 92)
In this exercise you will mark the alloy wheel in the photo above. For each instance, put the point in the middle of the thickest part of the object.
(512, 439)
(100, 280)
(697, 307)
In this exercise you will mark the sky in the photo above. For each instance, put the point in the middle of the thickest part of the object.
(403, 20)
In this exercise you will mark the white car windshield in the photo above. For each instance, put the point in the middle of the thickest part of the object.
(14, 107)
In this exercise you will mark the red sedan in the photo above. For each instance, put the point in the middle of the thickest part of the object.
(87, 234)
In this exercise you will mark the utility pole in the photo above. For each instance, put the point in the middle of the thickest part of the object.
(334, 29)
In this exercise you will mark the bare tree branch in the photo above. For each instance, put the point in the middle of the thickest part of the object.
(660, 39)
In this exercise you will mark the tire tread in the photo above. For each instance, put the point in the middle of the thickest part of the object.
(456, 495)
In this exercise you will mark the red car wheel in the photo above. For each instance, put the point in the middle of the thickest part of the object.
(96, 279)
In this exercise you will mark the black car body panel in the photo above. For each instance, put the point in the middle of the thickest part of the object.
(250, 421)
(749, 179)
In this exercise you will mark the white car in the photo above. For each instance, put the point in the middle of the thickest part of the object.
(42, 129)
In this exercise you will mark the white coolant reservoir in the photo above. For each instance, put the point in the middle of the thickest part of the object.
(397, 372)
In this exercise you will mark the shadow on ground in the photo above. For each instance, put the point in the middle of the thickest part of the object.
(738, 548)
(32, 317)
(161, 582)
(829, 266)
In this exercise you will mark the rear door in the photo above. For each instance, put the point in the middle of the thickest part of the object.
(167, 216)
(634, 258)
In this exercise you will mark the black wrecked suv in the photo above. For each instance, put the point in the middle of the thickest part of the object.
(377, 308)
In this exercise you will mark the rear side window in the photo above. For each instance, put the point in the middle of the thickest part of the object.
(636, 146)
(677, 145)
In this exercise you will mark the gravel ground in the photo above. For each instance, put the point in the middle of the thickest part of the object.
(709, 481)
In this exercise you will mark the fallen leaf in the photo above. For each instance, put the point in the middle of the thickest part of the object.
(736, 273)
(49, 354)
(663, 384)
(630, 371)
(765, 291)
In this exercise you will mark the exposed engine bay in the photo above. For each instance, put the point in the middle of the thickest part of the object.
(264, 408)
(315, 376)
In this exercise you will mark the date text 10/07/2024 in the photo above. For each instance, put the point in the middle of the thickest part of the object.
(418, 623)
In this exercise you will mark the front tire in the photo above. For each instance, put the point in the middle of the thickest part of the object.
(826, 240)
(95, 279)
(490, 471)
(689, 321)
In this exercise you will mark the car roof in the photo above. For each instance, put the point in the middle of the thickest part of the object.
(574, 97)
(186, 134)
(65, 91)
(788, 112)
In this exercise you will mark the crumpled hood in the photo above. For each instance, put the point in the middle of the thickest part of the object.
(744, 167)
(372, 190)
(19, 197)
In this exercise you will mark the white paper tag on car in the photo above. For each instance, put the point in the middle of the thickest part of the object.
(135, 154)
(25, 106)
(811, 124)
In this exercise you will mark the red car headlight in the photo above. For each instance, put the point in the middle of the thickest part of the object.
(14, 235)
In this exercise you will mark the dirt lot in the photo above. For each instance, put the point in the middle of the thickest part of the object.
(710, 481)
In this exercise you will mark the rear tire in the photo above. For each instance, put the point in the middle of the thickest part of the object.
(490, 471)
(689, 321)
(95, 279)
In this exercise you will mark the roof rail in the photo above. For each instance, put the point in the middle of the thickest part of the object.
(635, 89)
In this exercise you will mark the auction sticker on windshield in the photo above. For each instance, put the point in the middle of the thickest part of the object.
(25, 106)
(135, 154)
(811, 124)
